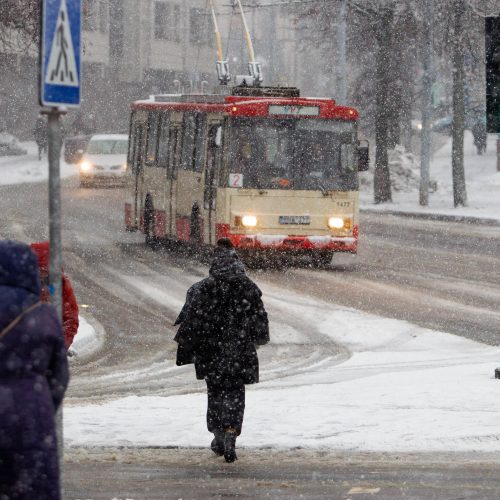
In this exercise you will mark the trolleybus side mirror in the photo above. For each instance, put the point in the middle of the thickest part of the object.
(215, 135)
(218, 137)
(348, 157)
(363, 157)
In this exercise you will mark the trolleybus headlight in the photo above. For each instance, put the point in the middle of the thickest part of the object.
(336, 222)
(249, 220)
(85, 166)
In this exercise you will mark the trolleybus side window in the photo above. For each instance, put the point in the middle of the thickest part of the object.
(152, 138)
(213, 165)
(193, 133)
(174, 141)
(163, 143)
(138, 147)
(131, 141)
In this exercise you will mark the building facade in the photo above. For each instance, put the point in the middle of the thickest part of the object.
(134, 48)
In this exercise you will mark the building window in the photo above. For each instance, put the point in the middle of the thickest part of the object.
(166, 21)
(103, 16)
(198, 26)
(116, 30)
(89, 15)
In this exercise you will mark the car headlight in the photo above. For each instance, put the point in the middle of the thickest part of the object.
(85, 166)
(124, 166)
(336, 222)
(249, 220)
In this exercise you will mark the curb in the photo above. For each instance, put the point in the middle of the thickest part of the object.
(435, 217)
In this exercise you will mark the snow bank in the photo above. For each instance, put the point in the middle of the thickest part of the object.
(481, 176)
(89, 339)
(404, 388)
(28, 168)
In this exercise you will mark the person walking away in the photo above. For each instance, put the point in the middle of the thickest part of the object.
(221, 323)
(69, 304)
(480, 136)
(33, 379)
(41, 135)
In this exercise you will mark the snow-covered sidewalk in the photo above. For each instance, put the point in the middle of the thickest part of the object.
(482, 184)
(28, 168)
(404, 388)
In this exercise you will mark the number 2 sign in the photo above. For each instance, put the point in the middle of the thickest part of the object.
(236, 180)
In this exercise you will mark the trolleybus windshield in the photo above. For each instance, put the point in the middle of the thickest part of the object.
(294, 153)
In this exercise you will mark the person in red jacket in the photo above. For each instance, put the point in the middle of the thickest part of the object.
(70, 306)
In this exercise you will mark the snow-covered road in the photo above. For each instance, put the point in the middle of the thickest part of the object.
(333, 378)
(403, 388)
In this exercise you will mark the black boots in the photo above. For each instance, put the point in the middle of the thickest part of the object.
(218, 443)
(224, 443)
(230, 445)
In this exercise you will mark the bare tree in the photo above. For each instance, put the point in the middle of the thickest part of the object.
(458, 126)
(379, 45)
(19, 24)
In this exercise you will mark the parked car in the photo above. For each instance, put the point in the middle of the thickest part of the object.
(74, 148)
(442, 125)
(104, 159)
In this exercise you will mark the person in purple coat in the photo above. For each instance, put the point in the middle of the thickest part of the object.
(33, 379)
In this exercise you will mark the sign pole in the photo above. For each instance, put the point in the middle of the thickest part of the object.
(55, 253)
(59, 81)
(54, 154)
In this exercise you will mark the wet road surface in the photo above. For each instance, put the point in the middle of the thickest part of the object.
(438, 275)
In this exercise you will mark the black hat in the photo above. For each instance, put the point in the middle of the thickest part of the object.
(225, 243)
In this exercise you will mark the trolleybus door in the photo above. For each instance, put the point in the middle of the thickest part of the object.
(137, 168)
(162, 163)
(189, 181)
(212, 165)
(174, 146)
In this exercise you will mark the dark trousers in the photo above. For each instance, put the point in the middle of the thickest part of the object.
(226, 405)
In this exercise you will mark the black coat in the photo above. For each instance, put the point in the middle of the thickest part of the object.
(222, 321)
(33, 378)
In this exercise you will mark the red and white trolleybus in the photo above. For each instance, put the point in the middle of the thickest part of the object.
(268, 169)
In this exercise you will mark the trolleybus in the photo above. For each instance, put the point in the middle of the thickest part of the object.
(262, 166)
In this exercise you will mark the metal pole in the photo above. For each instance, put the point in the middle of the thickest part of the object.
(425, 146)
(55, 278)
(341, 70)
(55, 261)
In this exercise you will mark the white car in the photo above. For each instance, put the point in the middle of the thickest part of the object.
(104, 159)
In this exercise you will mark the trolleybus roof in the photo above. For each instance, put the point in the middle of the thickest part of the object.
(275, 101)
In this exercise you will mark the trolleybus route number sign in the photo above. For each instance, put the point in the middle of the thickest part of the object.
(236, 180)
(294, 110)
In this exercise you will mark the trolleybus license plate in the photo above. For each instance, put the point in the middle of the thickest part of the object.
(295, 219)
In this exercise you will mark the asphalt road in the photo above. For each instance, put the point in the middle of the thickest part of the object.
(298, 474)
(441, 275)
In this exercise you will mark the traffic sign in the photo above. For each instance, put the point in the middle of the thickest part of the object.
(60, 57)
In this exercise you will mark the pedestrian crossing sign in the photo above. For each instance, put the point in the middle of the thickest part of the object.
(60, 57)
